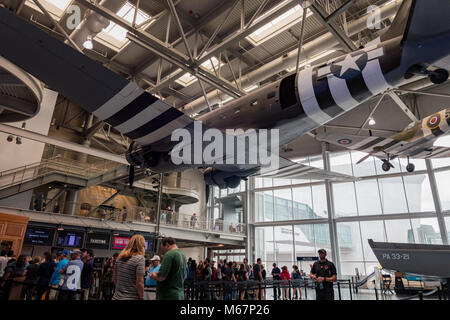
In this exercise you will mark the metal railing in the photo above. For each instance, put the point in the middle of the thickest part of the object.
(147, 215)
(55, 165)
(181, 184)
(185, 221)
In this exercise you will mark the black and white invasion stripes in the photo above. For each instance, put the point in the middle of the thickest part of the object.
(341, 85)
(140, 116)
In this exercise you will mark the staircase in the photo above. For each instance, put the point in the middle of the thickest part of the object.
(84, 175)
(60, 170)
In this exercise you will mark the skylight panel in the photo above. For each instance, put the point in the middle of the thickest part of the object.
(187, 79)
(55, 7)
(115, 35)
(277, 25)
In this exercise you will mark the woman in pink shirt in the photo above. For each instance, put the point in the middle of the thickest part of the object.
(285, 275)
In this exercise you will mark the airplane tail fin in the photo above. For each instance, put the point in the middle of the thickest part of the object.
(419, 19)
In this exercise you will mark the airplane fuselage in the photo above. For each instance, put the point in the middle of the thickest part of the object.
(314, 96)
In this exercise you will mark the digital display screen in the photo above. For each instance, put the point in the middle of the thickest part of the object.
(98, 241)
(39, 237)
(69, 239)
(120, 243)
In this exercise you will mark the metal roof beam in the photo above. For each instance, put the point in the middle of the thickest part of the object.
(339, 11)
(405, 109)
(321, 15)
(201, 23)
(235, 38)
(156, 46)
(212, 80)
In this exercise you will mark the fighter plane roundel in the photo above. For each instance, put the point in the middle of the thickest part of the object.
(344, 141)
(350, 66)
(434, 121)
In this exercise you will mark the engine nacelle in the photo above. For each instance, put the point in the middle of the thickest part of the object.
(145, 158)
(223, 179)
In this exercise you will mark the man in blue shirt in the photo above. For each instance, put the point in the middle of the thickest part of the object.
(86, 274)
(55, 280)
(276, 286)
(149, 283)
(72, 275)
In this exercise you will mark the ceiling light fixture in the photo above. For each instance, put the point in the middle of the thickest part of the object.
(88, 43)
(60, 228)
(372, 122)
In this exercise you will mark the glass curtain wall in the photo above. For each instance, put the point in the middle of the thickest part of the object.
(393, 206)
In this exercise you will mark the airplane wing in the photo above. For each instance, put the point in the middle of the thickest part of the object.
(375, 146)
(110, 97)
(294, 170)
(422, 148)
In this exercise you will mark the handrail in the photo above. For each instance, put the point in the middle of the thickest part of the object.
(175, 219)
(54, 165)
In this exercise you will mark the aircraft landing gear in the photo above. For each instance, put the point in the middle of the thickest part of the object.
(437, 76)
(386, 166)
(410, 167)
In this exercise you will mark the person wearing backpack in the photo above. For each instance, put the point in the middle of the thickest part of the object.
(296, 277)
(150, 285)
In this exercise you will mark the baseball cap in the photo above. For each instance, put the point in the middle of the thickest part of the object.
(155, 257)
(78, 252)
(64, 252)
(322, 251)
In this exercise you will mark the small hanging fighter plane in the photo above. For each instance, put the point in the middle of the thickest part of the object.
(415, 141)
(417, 42)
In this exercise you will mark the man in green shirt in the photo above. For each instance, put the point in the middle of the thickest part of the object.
(172, 273)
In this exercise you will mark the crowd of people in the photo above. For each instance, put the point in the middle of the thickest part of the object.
(47, 278)
(130, 276)
(232, 281)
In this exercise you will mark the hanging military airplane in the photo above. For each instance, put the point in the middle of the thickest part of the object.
(415, 141)
(416, 43)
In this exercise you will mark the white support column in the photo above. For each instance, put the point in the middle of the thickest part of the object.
(249, 218)
(330, 208)
(437, 202)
